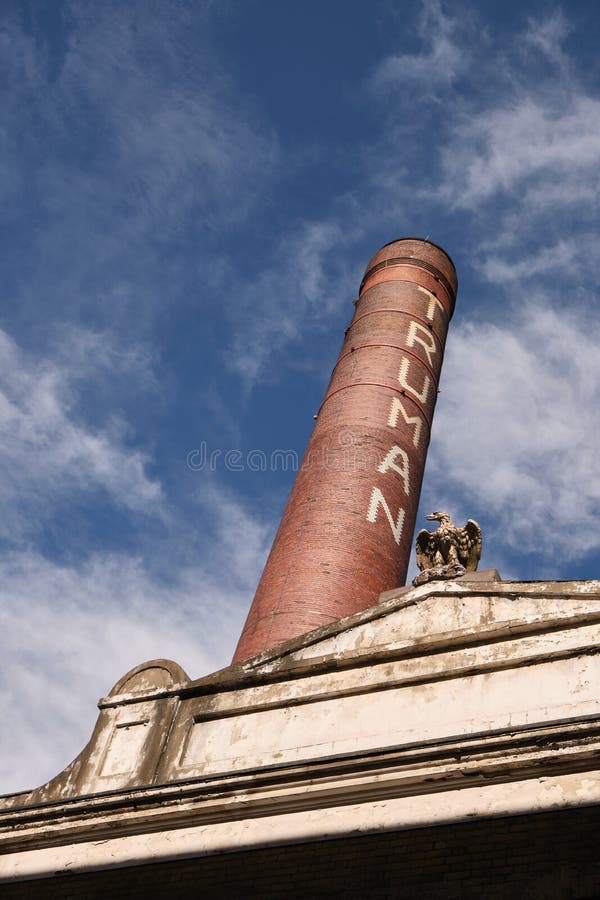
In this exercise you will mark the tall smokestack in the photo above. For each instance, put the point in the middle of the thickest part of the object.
(346, 533)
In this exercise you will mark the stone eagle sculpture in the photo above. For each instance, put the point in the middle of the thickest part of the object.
(449, 551)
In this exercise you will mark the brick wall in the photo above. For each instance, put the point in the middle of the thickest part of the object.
(346, 533)
(550, 856)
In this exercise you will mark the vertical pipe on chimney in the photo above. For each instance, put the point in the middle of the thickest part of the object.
(346, 533)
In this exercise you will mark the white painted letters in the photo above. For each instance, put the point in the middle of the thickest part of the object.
(418, 334)
(390, 463)
(396, 459)
(396, 408)
(377, 499)
(402, 378)
(434, 303)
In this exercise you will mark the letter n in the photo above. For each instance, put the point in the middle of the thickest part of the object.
(377, 500)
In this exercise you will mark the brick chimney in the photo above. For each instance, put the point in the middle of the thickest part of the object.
(347, 530)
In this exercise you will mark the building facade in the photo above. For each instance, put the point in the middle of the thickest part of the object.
(442, 743)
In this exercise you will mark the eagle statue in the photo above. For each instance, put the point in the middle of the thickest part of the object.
(449, 551)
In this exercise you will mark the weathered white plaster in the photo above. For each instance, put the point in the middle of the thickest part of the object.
(388, 718)
(442, 702)
(315, 824)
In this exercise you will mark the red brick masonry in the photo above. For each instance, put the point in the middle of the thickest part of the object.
(346, 533)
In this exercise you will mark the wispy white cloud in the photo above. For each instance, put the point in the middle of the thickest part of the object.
(305, 282)
(131, 150)
(514, 156)
(545, 261)
(440, 61)
(47, 452)
(507, 148)
(515, 434)
(133, 139)
(68, 633)
(548, 35)
(510, 162)
(516, 167)
(173, 125)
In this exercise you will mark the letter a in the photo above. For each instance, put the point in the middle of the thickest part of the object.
(390, 463)
(378, 499)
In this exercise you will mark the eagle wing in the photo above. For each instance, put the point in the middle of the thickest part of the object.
(469, 545)
(425, 547)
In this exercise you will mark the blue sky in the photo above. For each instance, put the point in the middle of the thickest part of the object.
(191, 191)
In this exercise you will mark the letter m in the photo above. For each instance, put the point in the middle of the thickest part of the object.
(397, 408)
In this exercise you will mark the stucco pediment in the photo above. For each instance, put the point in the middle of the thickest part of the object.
(473, 609)
(486, 656)
(455, 699)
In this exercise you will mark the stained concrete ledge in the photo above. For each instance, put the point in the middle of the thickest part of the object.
(474, 682)
(482, 576)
